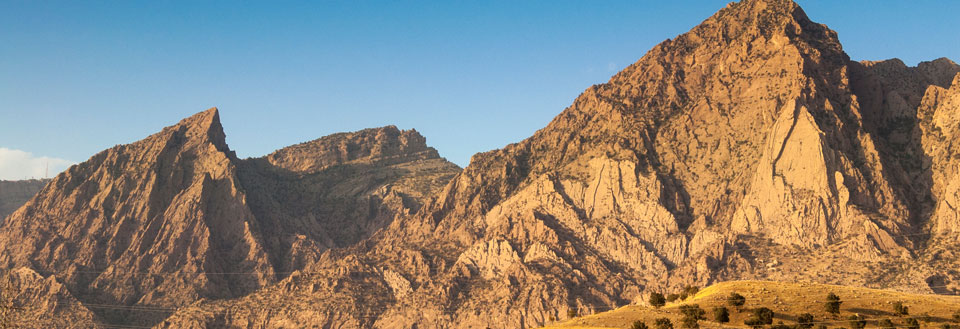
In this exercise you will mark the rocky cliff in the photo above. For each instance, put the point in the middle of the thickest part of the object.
(14, 194)
(338, 190)
(158, 222)
(33, 301)
(176, 217)
(750, 147)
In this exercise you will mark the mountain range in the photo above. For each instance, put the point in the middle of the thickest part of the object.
(750, 147)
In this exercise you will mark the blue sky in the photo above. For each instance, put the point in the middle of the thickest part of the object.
(471, 76)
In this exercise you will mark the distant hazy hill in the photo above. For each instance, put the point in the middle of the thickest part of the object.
(14, 194)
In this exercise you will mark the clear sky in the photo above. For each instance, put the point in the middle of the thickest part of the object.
(78, 77)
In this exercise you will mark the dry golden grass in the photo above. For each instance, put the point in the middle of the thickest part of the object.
(787, 300)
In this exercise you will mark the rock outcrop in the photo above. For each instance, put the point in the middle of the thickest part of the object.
(14, 194)
(939, 123)
(33, 301)
(750, 147)
(338, 190)
(158, 222)
(176, 217)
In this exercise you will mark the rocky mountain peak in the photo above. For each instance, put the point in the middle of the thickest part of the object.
(203, 127)
(169, 203)
(750, 147)
(375, 145)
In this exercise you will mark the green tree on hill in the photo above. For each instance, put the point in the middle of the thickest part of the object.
(736, 300)
(886, 324)
(639, 325)
(761, 316)
(662, 323)
(672, 297)
(780, 325)
(692, 314)
(833, 303)
(721, 314)
(912, 323)
(900, 309)
(692, 311)
(805, 321)
(657, 300)
(856, 322)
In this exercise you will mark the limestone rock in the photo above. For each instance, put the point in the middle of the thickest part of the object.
(176, 217)
(939, 117)
(750, 147)
(42, 302)
(147, 223)
(750, 140)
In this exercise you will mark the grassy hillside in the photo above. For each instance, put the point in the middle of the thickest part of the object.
(787, 301)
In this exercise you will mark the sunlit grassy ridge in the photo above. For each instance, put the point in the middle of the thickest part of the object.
(787, 300)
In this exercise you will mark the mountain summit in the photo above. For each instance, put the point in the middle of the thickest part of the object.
(750, 147)
(177, 217)
(147, 222)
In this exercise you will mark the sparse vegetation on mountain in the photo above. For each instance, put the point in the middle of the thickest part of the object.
(672, 297)
(736, 300)
(692, 311)
(885, 324)
(662, 323)
(856, 321)
(656, 299)
(833, 303)
(760, 316)
(781, 325)
(805, 321)
(721, 314)
(900, 309)
(692, 314)
(638, 325)
(911, 323)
